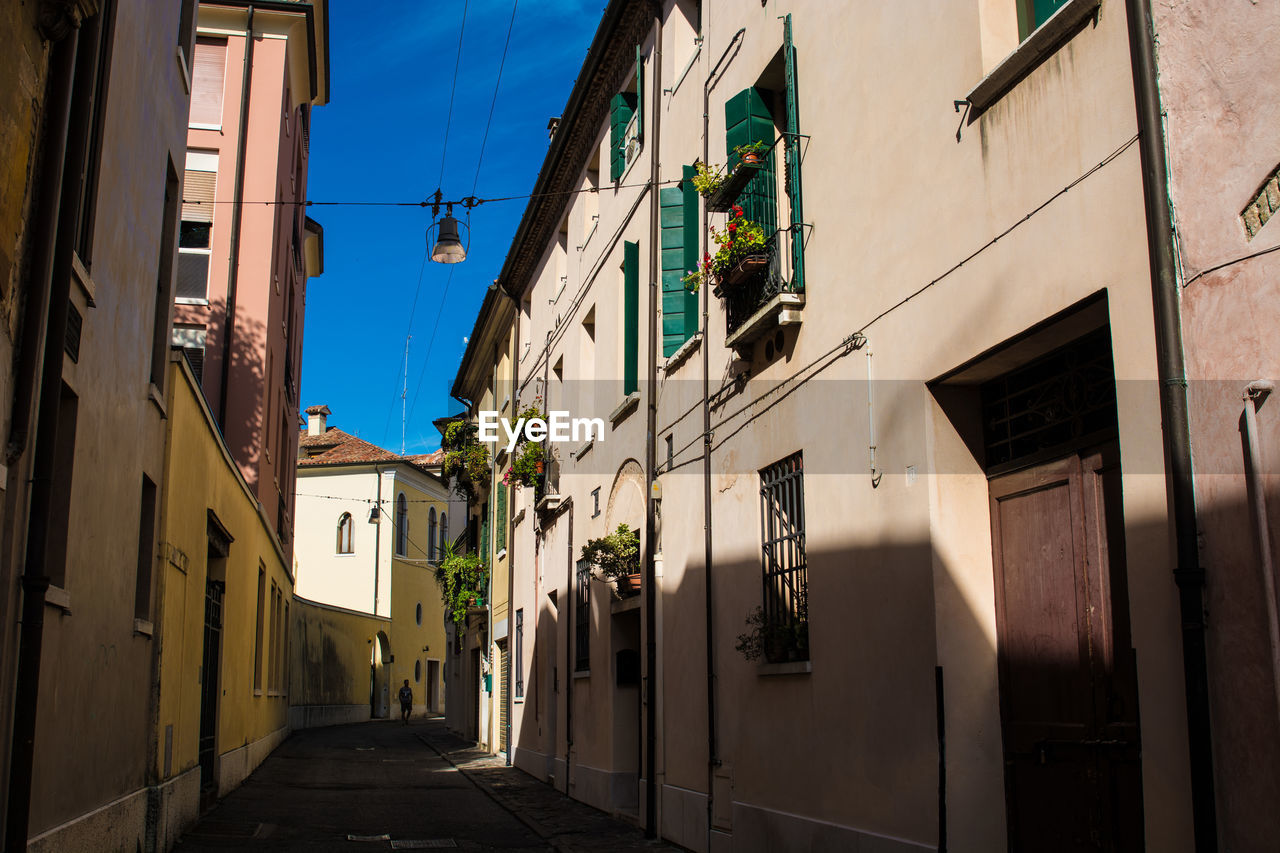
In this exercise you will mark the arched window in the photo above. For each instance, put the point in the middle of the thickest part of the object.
(344, 534)
(444, 535)
(402, 525)
(431, 534)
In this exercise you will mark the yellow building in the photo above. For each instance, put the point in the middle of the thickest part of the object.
(371, 528)
(223, 603)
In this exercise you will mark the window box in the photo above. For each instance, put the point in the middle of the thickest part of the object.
(745, 270)
(724, 198)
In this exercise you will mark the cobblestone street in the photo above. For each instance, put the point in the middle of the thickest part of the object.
(381, 785)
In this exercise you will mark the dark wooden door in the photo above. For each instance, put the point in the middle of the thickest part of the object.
(1068, 686)
(209, 669)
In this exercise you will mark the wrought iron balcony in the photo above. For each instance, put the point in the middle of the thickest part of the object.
(761, 301)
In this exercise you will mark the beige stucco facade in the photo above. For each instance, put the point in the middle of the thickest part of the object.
(369, 612)
(943, 249)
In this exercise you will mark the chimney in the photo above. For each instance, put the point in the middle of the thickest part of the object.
(317, 420)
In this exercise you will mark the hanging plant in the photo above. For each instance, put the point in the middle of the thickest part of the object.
(466, 459)
(528, 458)
(707, 179)
(463, 580)
(742, 239)
(752, 152)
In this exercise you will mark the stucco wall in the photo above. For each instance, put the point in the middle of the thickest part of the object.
(252, 714)
(1221, 152)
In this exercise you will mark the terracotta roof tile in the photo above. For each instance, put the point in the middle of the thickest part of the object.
(336, 447)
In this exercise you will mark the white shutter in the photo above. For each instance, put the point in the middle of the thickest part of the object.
(197, 196)
(207, 81)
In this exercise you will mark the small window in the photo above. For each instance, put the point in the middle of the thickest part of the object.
(431, 533)
(208, 78)
(417, 613)
(195, 232)
(417, 670)
(402, 525)
(146, 550)
(344, 534)
(582, 619)
(786, 579)
(519, 664)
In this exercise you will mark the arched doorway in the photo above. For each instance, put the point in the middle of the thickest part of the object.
(380, 678)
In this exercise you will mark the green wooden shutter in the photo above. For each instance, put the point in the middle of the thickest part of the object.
(1033, 13)
(621, 108)
(792, 157)
(484, 533)
(674, 326)
(639, 95)
(501, 521)
(630, 317)
(691, 258)
(747, 119)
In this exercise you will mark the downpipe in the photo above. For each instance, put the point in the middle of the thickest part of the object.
(1188, 573)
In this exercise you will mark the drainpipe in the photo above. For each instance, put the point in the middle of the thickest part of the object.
(1254, 396)
(237, 214)
(708, 557)
(511, 540)
(377, 538)
(1188, 574)
(649, 582)
(570, 656)
(59, 205)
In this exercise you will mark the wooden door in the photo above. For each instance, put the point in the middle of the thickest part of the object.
(210, 668)
(1068, 687)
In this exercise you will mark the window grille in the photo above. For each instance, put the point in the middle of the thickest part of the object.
(582, 619)
(786, 579)
(520, 654)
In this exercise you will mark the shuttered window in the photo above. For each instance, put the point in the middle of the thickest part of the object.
(192, 341)
(621, 109)
(679, 210)
(484, 532)
(630, 317)
(196, 231)
(747, 119)
(1033, 13)
(208, 78)
(500, 533)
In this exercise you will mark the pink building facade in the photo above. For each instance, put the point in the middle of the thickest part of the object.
(242, 267)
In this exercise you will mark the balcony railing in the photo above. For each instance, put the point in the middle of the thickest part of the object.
(762, 300)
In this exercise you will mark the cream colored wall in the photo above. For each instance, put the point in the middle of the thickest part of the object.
(342, 580)
(901, 573)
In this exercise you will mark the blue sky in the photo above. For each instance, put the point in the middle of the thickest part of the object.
(380, 138)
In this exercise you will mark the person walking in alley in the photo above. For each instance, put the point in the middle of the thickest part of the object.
(406, 702)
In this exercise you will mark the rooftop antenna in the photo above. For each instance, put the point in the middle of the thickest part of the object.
(404, 392)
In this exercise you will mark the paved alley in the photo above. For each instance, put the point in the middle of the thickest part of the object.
(382, 785)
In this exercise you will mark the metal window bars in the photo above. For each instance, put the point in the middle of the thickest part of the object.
(582, 618)
(785, 570)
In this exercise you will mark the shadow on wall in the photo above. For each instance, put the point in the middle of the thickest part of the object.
(855, 741)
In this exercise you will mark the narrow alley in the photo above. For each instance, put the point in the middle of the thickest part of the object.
(381, 785)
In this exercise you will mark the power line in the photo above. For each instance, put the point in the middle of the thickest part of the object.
(452, 90)
(407, 333)
(493, 103)
(431, 342)
(468, 201)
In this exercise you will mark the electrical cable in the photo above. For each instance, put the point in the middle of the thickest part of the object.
(493, 103)
(430, 343)
(407, 332)
(444, 150)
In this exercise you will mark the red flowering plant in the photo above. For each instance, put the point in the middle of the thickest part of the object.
(741, 238)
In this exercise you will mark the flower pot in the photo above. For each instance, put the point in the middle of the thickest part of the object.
(539, 466)
(747, 268)
(629, 584)
(752, 158)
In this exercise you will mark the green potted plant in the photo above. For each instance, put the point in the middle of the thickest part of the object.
(617, 557)
(742, 251)
(752, 153)
(528, 458)
(707, 180)
(466, 459)
(773, 642)
(463, 580)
